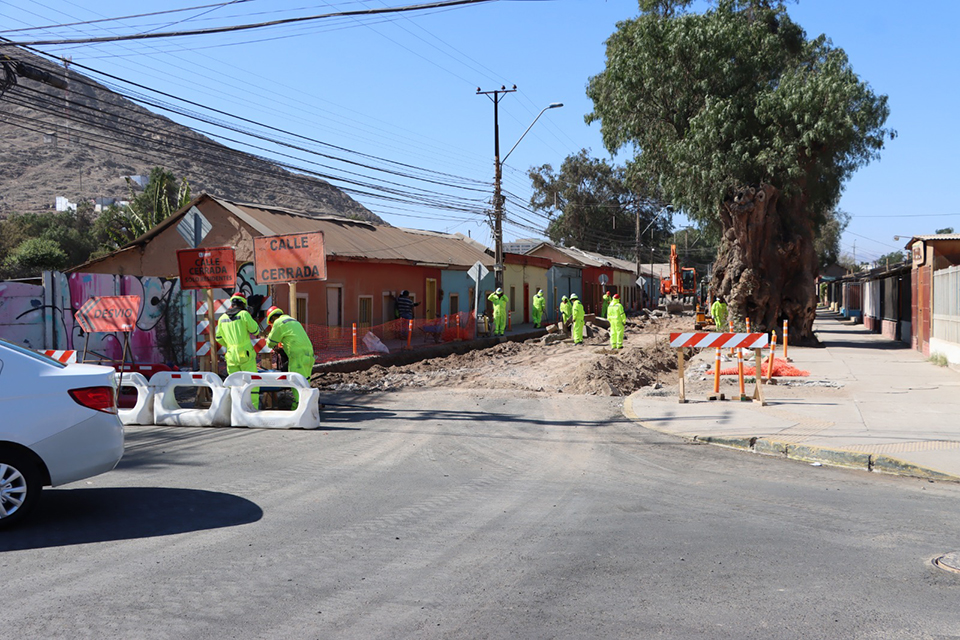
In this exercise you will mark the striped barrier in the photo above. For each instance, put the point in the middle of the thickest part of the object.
(66, 357)
(739, 341)
(219, 308)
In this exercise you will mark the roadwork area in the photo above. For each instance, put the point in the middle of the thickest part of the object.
(550, 364)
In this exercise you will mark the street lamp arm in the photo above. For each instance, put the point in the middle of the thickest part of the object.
(552, 106)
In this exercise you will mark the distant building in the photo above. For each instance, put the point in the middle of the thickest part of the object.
(63, 204)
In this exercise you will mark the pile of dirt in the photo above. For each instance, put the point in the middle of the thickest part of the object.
(540, 366)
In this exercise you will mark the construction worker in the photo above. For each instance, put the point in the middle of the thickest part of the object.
(288, 334)
(233, 331)
(499, 311)
(577, 312)
(605, 303)
(617, 317)
(539, 304)
(718, 311)
(566, 311)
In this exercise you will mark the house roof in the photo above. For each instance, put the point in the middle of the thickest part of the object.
(933, 236)
(588, 258)
(343, 237)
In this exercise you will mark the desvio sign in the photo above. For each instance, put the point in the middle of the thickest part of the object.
(289, 258)
(207, 268)
(105, 314)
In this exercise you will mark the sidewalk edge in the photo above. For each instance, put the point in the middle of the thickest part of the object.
(842, 458)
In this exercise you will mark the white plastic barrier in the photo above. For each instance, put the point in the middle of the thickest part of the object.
(142, 411)
(167, 411)
(242, 383)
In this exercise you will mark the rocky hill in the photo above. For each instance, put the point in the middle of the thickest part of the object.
(81, 141)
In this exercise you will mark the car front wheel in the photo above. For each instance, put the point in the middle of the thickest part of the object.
(20, 487)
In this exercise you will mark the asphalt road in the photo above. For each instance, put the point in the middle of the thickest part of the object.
(445, 514)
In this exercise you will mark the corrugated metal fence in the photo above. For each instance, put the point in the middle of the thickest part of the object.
(946, 304)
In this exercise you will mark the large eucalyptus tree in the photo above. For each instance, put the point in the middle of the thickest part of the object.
(742, 121)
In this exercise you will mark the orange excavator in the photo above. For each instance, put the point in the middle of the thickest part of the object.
(681, 283)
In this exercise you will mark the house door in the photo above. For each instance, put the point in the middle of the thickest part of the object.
(334, 306)
(526, 303)
(388, 311)
(430, 303)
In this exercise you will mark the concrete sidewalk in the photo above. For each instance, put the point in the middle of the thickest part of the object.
(892, 411)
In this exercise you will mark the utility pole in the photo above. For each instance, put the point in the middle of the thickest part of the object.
(496, 96)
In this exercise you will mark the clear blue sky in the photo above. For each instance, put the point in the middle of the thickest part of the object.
(403, 88)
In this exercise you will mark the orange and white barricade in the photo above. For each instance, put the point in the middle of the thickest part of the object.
(65, 357)
(755, 341)
(142, 411)
(241, 385)
(167, 411)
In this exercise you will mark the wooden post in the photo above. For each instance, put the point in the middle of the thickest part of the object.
(683, 396)
(212, 329)
(293, 300)
(758, 388)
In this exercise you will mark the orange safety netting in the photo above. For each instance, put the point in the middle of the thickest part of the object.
(336, 343)
(781, 368)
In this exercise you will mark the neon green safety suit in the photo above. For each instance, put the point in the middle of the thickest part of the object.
(718, 311)
(539, 304)
(577, 322)
(617, 318)
(499, 312)
(566, 310)
(290, 335)
(605, 303)
(233, 331)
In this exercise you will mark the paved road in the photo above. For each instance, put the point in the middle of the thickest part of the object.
(440, 514)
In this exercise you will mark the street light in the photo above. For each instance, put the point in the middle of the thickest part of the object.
(495, 96)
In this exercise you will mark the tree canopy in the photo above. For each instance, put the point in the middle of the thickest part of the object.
(591, 205)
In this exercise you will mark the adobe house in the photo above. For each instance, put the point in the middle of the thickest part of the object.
(935, 295)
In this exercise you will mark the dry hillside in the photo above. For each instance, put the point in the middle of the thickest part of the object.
(101, 137)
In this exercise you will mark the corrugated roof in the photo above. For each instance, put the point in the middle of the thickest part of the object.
(589, 258)
(933, 236)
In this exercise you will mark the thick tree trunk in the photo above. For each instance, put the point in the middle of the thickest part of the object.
(766, 264)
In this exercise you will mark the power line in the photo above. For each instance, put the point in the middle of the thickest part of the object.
(244, 27)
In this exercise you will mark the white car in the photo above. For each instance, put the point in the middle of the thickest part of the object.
(58, 424)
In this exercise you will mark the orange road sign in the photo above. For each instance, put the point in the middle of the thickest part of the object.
(105, 314)
(207, 268)
(289, 258)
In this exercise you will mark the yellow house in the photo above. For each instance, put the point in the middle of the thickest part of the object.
(522, 276)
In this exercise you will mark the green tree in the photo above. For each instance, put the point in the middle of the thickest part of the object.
(32, 256)
(944, 230)
(162, 195)
(591, 205)
(827, 243)
(741, 119)
(893, 257)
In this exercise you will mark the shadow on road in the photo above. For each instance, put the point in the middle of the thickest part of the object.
(81, 516)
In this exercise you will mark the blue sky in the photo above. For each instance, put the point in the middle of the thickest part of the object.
(403, 88)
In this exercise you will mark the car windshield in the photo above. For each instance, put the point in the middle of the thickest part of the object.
(30, 354)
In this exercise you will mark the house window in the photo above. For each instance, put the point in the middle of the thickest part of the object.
(365, 312)
(302, 299)
(454, 303)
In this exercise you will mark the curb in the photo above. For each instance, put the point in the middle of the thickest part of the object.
(875, 462)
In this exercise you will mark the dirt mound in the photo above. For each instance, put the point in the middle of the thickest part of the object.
(625, 372)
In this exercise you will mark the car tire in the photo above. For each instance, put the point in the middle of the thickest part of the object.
(20, 486)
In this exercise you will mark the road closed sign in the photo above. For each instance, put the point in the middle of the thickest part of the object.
(207, 268)
(289, 258)
(105, 314)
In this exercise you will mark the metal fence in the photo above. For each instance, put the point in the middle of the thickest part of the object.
(946, 304)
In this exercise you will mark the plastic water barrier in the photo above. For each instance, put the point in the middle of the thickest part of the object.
(167, 411)
(242, 383)
(142, 411)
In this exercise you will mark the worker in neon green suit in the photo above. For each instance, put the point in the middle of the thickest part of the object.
(233, 331)
(499, 311)
(288, 334)
(577, 310)
(566, 311)
(539, 304)
(617, 318)
(718, 311)
(605, 303)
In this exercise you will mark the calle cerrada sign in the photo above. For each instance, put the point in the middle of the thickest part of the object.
(105, 314)
(289, 258)
(207, 268)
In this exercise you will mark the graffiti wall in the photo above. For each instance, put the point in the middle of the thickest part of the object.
(42, 316)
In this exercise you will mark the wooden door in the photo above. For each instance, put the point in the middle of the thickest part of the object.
(430, 304)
